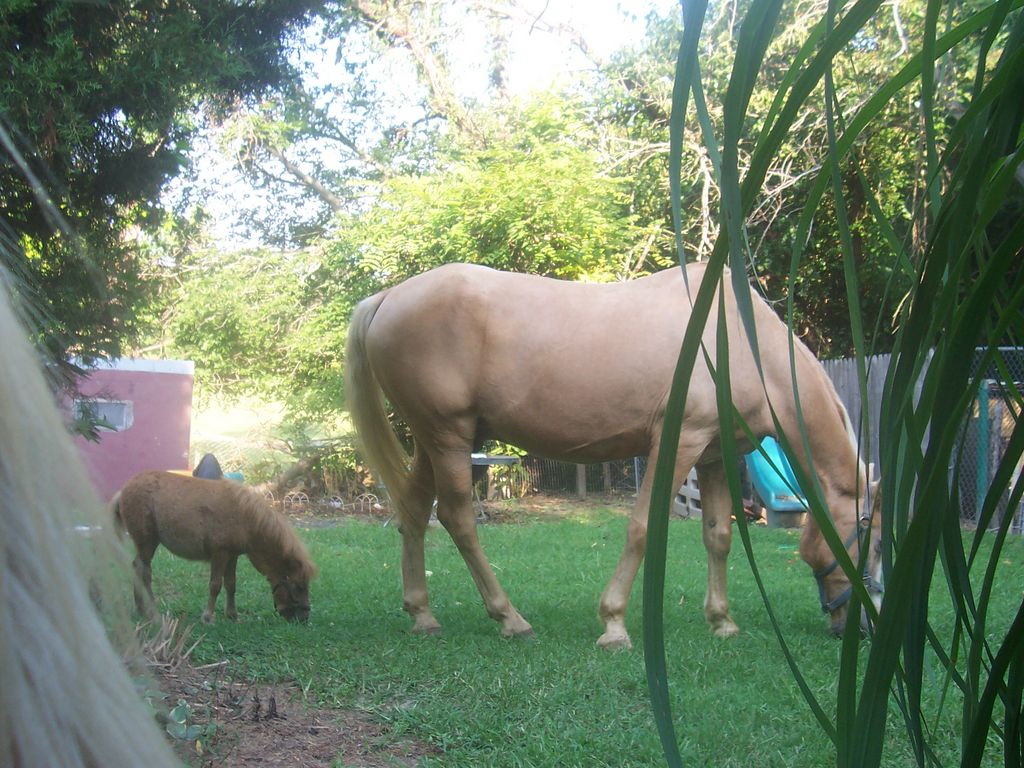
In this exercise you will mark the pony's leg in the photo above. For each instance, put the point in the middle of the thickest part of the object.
(218, 564)
(229, 587)
(615, 598)
(415, 515)
(453, 477)
(145, 603)
(716, 513)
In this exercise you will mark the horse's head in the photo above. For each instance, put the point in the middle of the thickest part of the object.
(291, 598)
(858, 530)
(291, 590)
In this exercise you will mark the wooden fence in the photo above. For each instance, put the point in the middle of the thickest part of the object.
(844, 376)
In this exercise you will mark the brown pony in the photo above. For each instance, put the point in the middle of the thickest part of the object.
(216, 521)
(579, 372)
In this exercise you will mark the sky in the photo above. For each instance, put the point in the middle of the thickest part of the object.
(538, 60)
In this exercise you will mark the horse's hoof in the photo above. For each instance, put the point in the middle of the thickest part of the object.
(526, 633)
(207, 618)
(432, 630)
(614, 642)
(726, 630)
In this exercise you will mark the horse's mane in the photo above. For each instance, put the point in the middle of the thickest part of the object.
(67, 698)
(844, 415)
(270, 525)
(862, 470)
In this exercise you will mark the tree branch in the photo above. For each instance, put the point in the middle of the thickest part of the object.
(307, 180)
(387, 17)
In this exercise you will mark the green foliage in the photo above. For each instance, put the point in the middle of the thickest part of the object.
(98, 105)
(637, 100)
(262, 322)
(86, 422)
(965, 292)
(180, 725)
(535, 200)
(233, 311)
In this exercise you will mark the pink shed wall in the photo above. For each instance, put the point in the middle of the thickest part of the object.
(160, 392)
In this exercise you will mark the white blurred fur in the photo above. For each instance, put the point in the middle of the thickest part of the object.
(66, 698)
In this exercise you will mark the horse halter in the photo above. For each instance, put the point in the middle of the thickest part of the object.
(282, 583)
(872, 584)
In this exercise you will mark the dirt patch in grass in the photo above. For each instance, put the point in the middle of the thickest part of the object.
(536, 506)
(250, 724)
(522, 510)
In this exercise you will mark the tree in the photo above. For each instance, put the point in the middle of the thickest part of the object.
(637, 98)
(538, 200)
(97, 111)
(322, 146)
(379, 99)
(236, 312)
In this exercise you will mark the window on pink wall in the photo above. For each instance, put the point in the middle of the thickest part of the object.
(108, 415)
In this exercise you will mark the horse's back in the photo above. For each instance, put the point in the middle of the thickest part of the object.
(571, 370)
(468, 342)
(190, 516)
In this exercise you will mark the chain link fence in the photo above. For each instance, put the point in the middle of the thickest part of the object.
(560, 478)
(985, 439)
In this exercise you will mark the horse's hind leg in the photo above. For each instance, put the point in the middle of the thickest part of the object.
(143, 587)
(716, 514)
(145, 603)
(414, 509)
(453, 476)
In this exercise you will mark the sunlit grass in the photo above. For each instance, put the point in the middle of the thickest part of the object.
(557, 700)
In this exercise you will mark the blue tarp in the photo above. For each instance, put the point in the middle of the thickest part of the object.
(775, 484)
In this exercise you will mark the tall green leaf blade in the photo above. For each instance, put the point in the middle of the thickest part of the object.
(662, 491)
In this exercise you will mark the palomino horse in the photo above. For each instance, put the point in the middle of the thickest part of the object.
(215, 521)
(579, 372)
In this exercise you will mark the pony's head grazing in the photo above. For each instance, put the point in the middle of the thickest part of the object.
(291, 597)
(282, 557)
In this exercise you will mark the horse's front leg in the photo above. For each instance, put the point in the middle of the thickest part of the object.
(414, 515)
(218, 564)
(229, 587)
(716, 512)
(615, 598)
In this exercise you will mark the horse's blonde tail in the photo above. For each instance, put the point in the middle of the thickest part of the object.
(365, 401)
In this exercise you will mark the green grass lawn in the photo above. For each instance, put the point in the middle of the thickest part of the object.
(556, 700)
